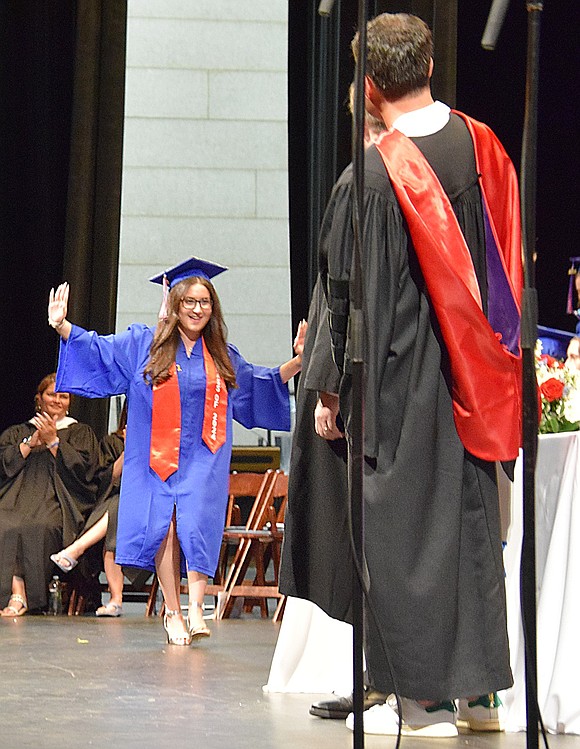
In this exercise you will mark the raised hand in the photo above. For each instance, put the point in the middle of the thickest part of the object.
(300, 336)
(58, 305)
(293, 366)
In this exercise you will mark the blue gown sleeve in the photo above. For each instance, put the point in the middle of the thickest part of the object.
(261, 398)
(99, 366)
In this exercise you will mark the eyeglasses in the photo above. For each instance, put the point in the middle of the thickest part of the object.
(191, 303)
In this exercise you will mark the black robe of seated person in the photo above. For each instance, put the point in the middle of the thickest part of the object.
(44, 501)
(111, 447)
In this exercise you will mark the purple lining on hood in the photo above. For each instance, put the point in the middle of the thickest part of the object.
(502, 311)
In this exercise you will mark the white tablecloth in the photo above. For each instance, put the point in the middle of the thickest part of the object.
(314, 652)
(558, 587)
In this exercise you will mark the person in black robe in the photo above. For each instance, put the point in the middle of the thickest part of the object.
(101, 524)
(316, 562)
(432, 531)
(310, 568)
(47, 489)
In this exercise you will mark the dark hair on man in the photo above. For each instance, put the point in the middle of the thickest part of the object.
(399, 53)
(374, 125)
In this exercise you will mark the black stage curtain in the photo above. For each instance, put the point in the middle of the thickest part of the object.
(491, 87)
(91, 254)
(487, 85)
(320, 70)
(61, 123)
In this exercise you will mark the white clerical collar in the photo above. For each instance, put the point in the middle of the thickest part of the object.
(424, 121)
(63, 423)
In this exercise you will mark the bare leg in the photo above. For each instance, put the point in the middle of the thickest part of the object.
(114, 575)
(17, 603)
(197, 583)
(167, 566)
(115, 580)
(89, 538)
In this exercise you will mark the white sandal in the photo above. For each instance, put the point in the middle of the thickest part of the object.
(181, 639)
(12, 609)
(111, 609)
(197, 630)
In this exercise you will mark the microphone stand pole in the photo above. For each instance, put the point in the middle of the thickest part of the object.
(356, 453)
(529, 334)
(356, 323)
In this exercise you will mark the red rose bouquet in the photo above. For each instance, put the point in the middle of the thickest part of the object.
(560, 394)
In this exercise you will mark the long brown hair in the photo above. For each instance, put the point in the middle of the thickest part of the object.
(167, 338)
(120, 430)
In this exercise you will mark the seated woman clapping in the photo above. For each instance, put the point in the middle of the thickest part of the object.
(47, 486)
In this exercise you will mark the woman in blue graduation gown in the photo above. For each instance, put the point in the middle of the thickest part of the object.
(184, 384)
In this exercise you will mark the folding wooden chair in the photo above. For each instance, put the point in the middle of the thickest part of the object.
(254, 486)
(272, 551)
(242, 485)
(259, 544)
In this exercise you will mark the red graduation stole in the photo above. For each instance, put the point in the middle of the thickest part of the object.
(486, 376)
(165, 426)
(166, 417)
(216, 404)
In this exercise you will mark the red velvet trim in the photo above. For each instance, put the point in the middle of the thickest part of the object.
(486, 378)
(500, 190)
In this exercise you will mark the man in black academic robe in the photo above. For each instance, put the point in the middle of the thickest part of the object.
(432, 529)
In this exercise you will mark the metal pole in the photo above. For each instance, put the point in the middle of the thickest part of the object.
(357, 338)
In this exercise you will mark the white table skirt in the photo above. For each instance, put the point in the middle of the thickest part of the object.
(314, 652)
(557, 584)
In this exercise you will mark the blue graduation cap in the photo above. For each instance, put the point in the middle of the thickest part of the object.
(193, 266)
(554, 342)
(190, 268)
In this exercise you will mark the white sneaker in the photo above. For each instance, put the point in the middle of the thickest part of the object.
(431, 722)
(379, 719)
(482, 714)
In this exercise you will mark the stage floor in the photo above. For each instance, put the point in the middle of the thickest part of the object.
(71, 682)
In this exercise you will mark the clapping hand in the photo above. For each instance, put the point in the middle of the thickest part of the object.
(58, 305)
(34, 440)
(46, 427)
